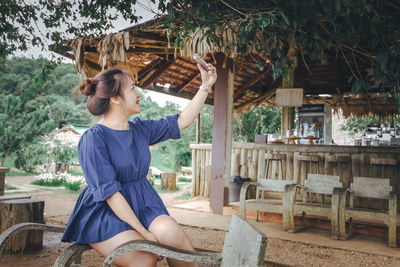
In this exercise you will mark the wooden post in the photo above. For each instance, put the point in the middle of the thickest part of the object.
(168, 180)
(287, 117)
(18, 211)
(198, 130)
(222, 134)
(3, 179)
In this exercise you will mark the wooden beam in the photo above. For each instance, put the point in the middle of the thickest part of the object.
(241, 91)
(168, 91)
(190, 80)
(149, 67)
(222, 134)
(163, 66)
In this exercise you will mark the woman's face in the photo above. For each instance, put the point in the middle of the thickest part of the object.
(130, 100)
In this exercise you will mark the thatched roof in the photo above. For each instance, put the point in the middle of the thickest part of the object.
(149, 53)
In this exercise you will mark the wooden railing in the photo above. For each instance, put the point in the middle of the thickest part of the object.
(248, 159)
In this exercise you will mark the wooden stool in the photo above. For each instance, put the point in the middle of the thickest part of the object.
(274, 157)
(340, 160)
(310, 159)
(383, 162)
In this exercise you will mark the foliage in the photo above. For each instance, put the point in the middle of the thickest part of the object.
(62, 19)
(30, 156)
(31, 105)
(355, 126)
(62, 153)
(20, 127)
(256, 121)
(364, 33)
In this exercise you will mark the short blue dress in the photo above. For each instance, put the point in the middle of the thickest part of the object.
(117, 161)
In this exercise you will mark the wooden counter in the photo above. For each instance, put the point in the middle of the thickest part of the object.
(248, 159)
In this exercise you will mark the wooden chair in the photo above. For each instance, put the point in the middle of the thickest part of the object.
(310, 159)
(244, 246)
(269, 205)
(378, 188)
(315, 184)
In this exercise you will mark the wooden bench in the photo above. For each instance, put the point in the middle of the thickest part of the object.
(268, 205)
(321, 185)
(244, 246)
(364, 187)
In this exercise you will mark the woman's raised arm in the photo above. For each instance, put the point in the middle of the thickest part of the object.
(192, 110)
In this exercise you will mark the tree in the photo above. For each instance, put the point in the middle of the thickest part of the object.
(365, 33)
(20, 127)
(256, 121)
(62, 20)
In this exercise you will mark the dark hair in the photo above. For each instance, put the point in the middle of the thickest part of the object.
(101, 88)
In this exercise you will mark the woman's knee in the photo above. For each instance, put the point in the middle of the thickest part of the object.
(168, 231)
(141, 259)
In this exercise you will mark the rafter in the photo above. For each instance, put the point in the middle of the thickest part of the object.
(240, 92)
(147, 82)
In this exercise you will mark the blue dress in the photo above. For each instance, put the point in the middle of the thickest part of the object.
(112, 161)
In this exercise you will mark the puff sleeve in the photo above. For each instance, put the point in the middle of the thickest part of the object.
(163, 129)
(96, 165)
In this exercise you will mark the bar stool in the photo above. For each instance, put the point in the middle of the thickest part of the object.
(340, 161)
(383, 162)
(311, 159)
(274, 157)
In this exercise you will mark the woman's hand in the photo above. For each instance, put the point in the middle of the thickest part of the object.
(151, 237)
(208, 78)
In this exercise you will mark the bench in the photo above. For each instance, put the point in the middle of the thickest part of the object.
(364, 187)
(243, 246)
(268, 205)
(321, 185)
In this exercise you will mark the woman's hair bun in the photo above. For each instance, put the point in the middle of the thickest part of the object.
(88, 87)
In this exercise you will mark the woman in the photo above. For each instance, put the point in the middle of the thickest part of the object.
(119, 204)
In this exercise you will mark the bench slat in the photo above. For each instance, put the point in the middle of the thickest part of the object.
(371, 187)
(321, 184)
(274, 185)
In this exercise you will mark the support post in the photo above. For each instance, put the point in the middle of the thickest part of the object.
(222, 134)
(287, 118)
(198, 130)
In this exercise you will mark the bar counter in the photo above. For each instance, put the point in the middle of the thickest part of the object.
(248, 159)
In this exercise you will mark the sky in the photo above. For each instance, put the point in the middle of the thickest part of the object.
(147, 11)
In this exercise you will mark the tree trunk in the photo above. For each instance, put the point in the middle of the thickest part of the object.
(17, 211)
(168, 181)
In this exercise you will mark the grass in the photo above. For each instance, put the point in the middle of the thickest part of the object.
(161, 160)
(185, 195)
(159, 189)
(19, 173)
(10, 187)
(52, 182)
(74, 173)
(184, 179)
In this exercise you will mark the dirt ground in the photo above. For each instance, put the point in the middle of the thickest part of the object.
(58, 205)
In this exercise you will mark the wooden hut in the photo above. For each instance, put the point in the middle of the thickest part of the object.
(148, 51)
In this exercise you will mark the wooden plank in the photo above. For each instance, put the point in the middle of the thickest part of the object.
(371, 187)
(163, 66)
(16, 196)
(274, 185)
(192, 78)
(194, 168)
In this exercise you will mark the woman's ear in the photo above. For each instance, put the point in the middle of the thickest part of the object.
(116, 100)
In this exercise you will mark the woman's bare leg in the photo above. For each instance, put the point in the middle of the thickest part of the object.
(168, 232)
(130, 259)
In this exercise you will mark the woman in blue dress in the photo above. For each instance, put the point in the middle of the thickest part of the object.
(119, 204)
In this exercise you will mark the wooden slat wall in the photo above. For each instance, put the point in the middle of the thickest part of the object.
(246, 161)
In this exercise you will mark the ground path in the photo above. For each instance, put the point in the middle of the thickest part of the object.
(204, 229)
